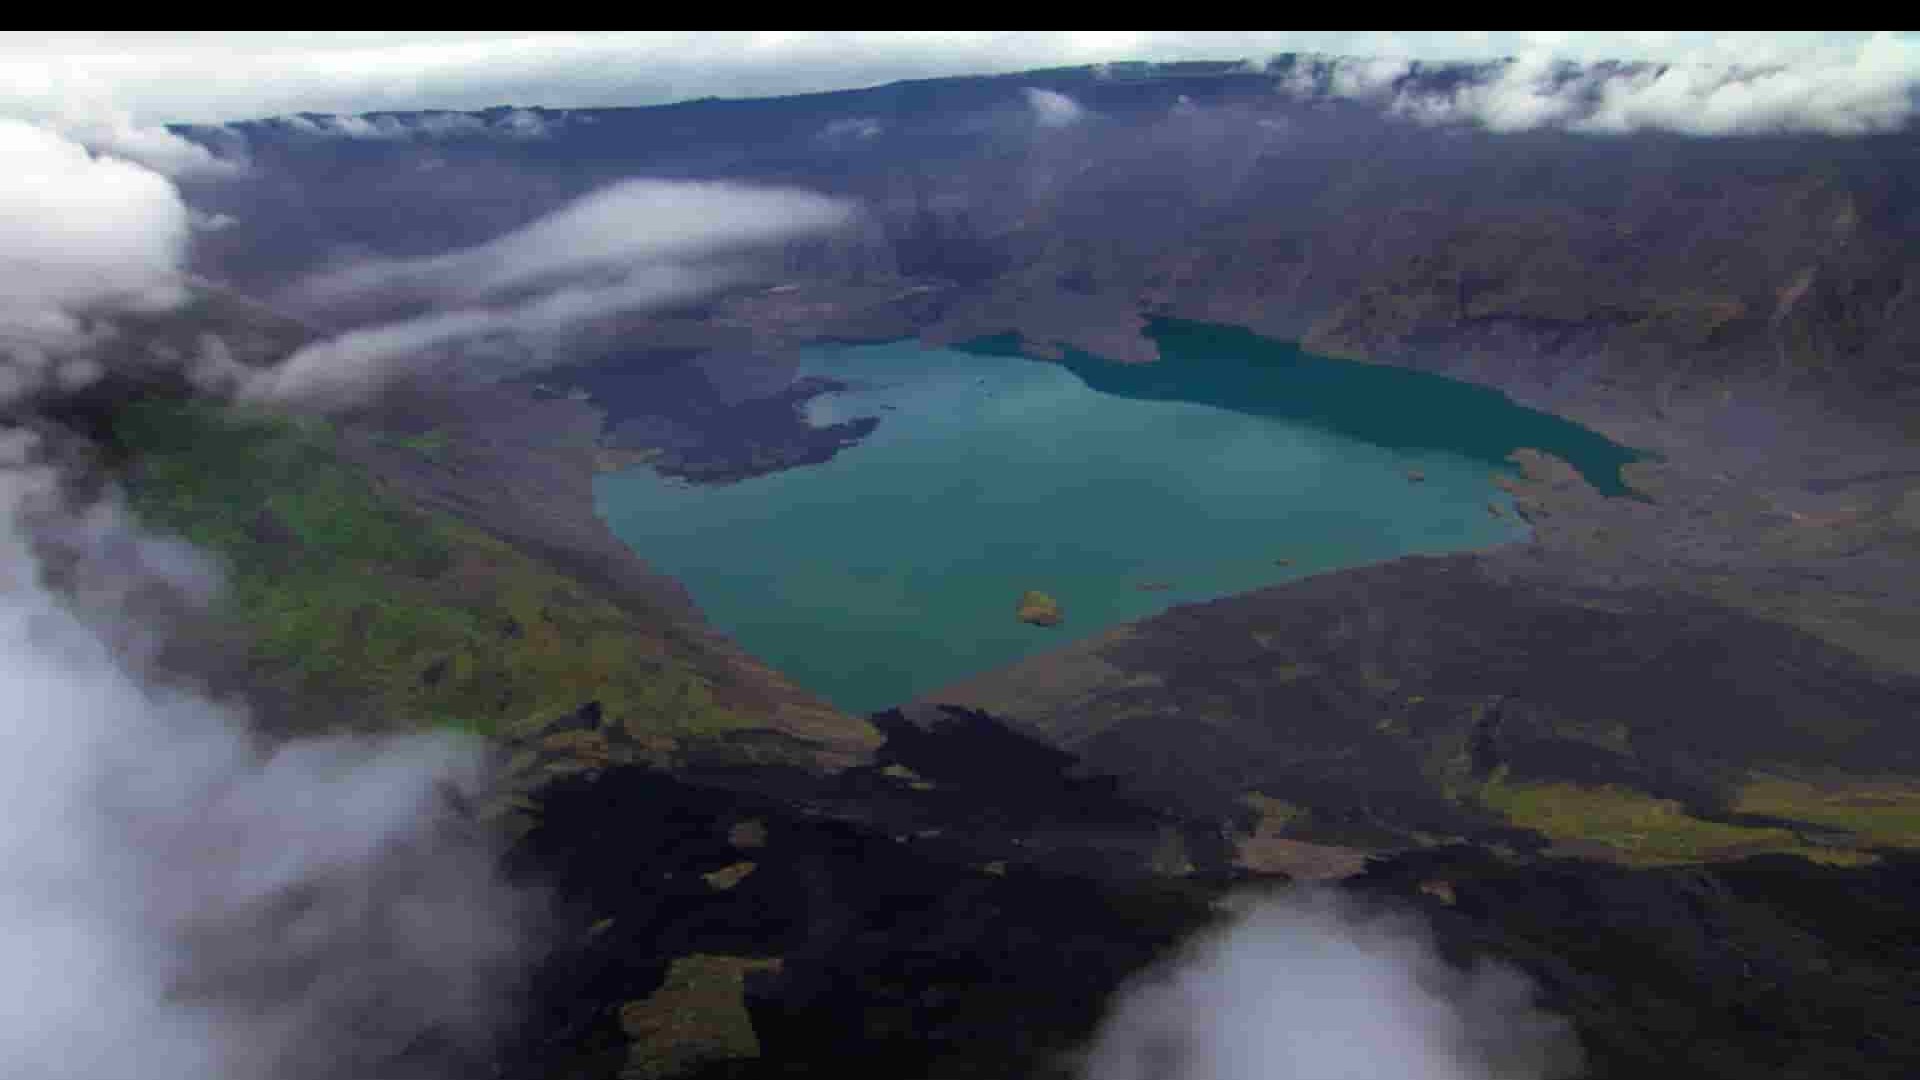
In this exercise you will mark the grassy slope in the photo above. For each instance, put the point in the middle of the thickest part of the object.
(1883, 811)
(349, 594)
(1629, 826)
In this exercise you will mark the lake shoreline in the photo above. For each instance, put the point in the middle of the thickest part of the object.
(1278, 496)
(1726, 476)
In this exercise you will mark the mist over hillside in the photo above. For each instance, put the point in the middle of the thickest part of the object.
(1312, 198)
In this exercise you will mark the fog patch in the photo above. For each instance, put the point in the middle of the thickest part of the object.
(1053, 109)
(849, 131)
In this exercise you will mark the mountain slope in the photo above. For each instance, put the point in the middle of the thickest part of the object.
(356, 605)
(1652, 266)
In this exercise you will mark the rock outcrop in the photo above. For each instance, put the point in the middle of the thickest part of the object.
(1038, 609)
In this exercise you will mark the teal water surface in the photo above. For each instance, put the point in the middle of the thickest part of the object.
(895, 568)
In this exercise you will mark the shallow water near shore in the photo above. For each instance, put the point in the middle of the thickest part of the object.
(1234, 463)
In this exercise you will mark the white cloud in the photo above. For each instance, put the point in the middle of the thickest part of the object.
(633, 245)
(88, 101)
(81, 235)
(1310, 987)
(853, 129)
(362, 127)
(1367, 77)
(212, 222)
(343, 369)
(150, 145)
(1874, 90)
(1873, 86)
(176, 904)
(629, 223)
(1053, 109)
(429, 126)
(154, 77)
(528, 124)
(85, 237)
(1532, 92)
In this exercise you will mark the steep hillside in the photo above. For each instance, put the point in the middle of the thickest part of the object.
(1648, 267)
(356, 604)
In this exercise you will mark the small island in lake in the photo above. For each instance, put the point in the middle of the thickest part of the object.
(1038, 608)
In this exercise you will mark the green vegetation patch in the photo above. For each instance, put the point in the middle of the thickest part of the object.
(1636, 828)
(431, 444)
(345, 592)
(698, 1015)
(1876, 812)
(728, 876)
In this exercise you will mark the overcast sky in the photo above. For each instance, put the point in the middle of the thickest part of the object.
(145, 77)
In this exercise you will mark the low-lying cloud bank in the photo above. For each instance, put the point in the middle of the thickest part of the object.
(429, 126)
(1875, 88)
(1313, 986)
(112, 90)
(88, 238)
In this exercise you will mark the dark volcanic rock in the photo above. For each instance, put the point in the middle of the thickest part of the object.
(1768, 967)
(703, 427)
(866, 942)
(1370, 692)
(893, 946)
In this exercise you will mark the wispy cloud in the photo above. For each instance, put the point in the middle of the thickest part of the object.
(344, 369)
(428, 126)
(636, 244)
(625, 224)
(850, 130)
(1053, 109)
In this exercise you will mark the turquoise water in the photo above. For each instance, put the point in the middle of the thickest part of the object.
(894, 568)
